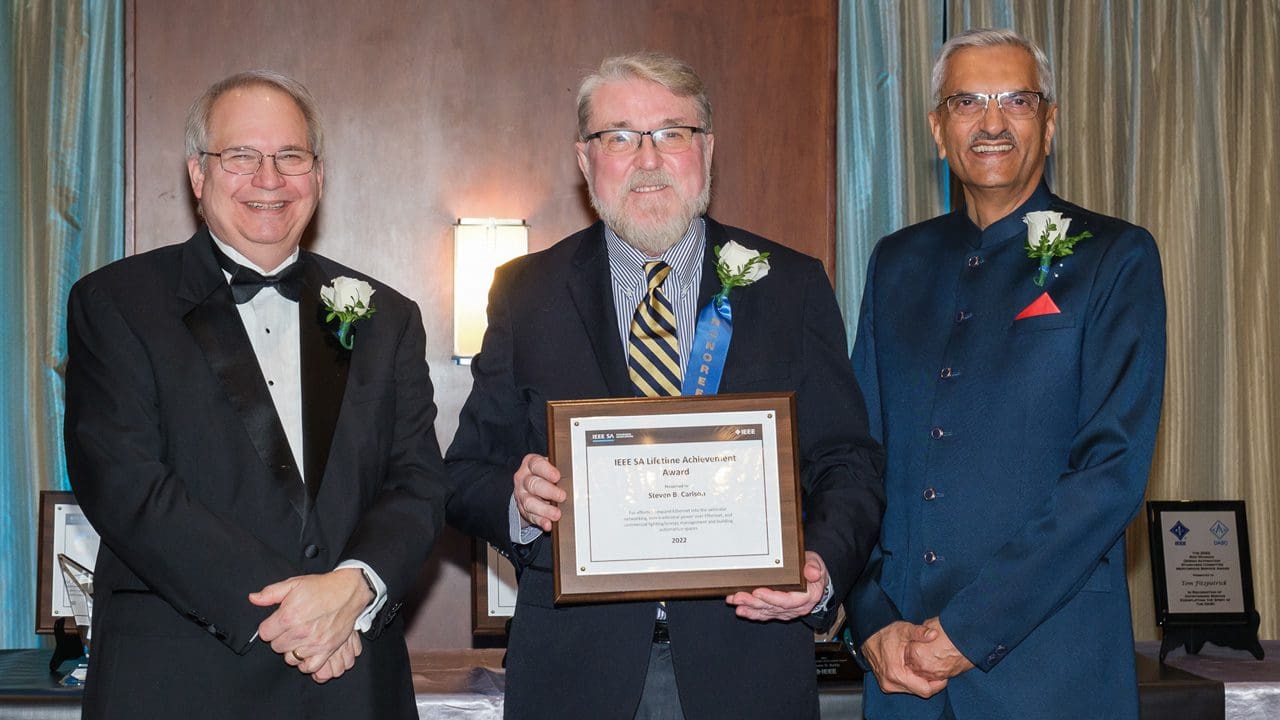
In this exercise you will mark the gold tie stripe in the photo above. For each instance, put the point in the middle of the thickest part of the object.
(653, 352)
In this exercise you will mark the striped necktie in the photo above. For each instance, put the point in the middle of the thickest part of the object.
(653, 352)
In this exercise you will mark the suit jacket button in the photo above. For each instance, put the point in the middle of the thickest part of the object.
(310, 551)
(930, 557)
(929, 494)
(946, 373)
(975, 261)
(936, 433)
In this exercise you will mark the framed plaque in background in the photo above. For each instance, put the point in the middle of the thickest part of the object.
(493, 590)
(63, 530)
(1202, 574)
(676, 497)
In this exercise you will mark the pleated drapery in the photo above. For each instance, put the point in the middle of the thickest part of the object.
(1169, 118)
(61, 215)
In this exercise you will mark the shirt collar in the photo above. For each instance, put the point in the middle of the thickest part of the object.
(683, 257)
(242, 260)
(1011, 225)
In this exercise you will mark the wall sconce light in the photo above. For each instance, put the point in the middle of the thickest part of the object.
(480, 245)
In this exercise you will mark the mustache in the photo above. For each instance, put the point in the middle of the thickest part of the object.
(642, 178)
(984, 135)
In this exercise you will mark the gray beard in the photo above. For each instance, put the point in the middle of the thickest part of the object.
(649, 234)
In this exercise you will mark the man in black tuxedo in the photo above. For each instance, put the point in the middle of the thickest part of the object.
(563, 325)
(265, 492)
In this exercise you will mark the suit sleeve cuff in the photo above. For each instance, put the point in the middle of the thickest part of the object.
(379, 588)
(821, 607)
(981, 650)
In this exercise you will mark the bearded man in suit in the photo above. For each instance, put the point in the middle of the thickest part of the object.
(564, 324)
(266, 491)
(1012, 353)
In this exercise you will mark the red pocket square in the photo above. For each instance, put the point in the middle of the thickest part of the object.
(1043, 305)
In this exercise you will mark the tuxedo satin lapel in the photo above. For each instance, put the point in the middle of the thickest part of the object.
(325, 364)
(215, 324)
(591, 288)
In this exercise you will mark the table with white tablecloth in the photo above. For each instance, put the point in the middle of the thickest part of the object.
(1250, 687)
(468, 684)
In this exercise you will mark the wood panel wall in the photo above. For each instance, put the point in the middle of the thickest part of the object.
(441, 109)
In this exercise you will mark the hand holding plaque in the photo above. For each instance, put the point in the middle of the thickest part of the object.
(537, 492)
(764, 604)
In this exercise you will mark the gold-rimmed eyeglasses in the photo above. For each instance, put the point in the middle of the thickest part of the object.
(1014, 103)
(667, 140)
(247, 160)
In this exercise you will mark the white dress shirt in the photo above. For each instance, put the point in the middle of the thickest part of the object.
(271, 320)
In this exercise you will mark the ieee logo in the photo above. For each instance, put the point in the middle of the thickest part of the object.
(1179, 531)
(1219, 530)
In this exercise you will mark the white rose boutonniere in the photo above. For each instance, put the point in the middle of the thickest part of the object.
(738, 266)
(347, 300)
(1047, 239)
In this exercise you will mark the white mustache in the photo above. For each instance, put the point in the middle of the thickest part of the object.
(647, 178)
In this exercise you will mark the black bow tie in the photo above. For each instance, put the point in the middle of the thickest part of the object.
(246, 282)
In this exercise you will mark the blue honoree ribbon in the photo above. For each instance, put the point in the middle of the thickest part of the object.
(710, 348)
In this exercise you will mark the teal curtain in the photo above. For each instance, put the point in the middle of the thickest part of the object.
(887, 172)
(61, 215)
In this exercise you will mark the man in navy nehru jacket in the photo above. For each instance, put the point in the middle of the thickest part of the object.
(1012, 355)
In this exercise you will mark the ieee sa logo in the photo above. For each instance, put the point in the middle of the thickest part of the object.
(1179, 531)
(1219, 531)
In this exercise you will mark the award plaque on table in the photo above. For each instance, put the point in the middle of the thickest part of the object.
(67, 549)
(1202, 575)
(676, 497)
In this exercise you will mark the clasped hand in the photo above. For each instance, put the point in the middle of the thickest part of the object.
(916, 659)
(313, 627)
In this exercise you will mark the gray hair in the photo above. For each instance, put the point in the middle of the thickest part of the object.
(671, 73)
(989, 37)
(197, 135)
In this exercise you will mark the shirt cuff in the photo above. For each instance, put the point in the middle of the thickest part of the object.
(520, 535)
(365, 621)
(821, 607)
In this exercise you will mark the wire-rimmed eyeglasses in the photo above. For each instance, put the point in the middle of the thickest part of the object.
(247, 160)
(667, 140)
(1014, 103)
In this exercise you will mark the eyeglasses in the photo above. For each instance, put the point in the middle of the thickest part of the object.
(1014, 103)
(247, 160)
(667, 140)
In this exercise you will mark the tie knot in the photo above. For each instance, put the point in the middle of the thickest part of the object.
(655, 272)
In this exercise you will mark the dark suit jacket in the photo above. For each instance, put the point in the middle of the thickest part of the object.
(1008, 522)
(178, 457)
(553, 335)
